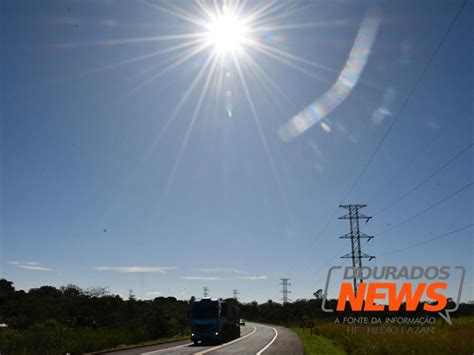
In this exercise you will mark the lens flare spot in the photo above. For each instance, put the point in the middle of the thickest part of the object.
(228, 103)
(326, 127)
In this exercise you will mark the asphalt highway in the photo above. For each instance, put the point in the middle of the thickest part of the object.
(255, 339)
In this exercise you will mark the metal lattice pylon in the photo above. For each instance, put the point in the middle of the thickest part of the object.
(284, 290)
(355, 235)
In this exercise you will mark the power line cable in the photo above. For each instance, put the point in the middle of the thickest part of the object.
(321, 268)
(399, 224)
(408, 193)
(411, 162)
(428, 241)
(424, 181)
(425, 210)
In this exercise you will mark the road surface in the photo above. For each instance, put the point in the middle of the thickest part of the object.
(256, 339)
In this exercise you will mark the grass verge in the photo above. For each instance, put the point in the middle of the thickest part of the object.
(317, 344)
(441, 338)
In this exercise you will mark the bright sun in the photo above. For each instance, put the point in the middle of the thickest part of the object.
(227, 34)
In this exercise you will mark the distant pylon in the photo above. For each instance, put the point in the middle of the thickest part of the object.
(356, 254)
(284, 290)
(235, 292)
(205, 292)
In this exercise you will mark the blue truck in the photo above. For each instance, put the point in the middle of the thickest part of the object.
(214, 320)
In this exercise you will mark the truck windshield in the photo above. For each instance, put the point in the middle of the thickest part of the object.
(204, 313)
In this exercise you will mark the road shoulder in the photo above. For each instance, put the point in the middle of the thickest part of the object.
(287, 342)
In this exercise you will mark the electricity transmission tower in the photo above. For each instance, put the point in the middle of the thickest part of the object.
(284, 290)
(355, 235)
(205, 292)
(235, 292)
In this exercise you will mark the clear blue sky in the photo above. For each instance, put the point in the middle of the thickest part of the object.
(89, 191)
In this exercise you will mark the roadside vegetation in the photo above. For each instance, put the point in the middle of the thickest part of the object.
(48, 320)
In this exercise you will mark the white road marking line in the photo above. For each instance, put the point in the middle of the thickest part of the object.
(226, 344)
(270, 343)
(160, 350)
